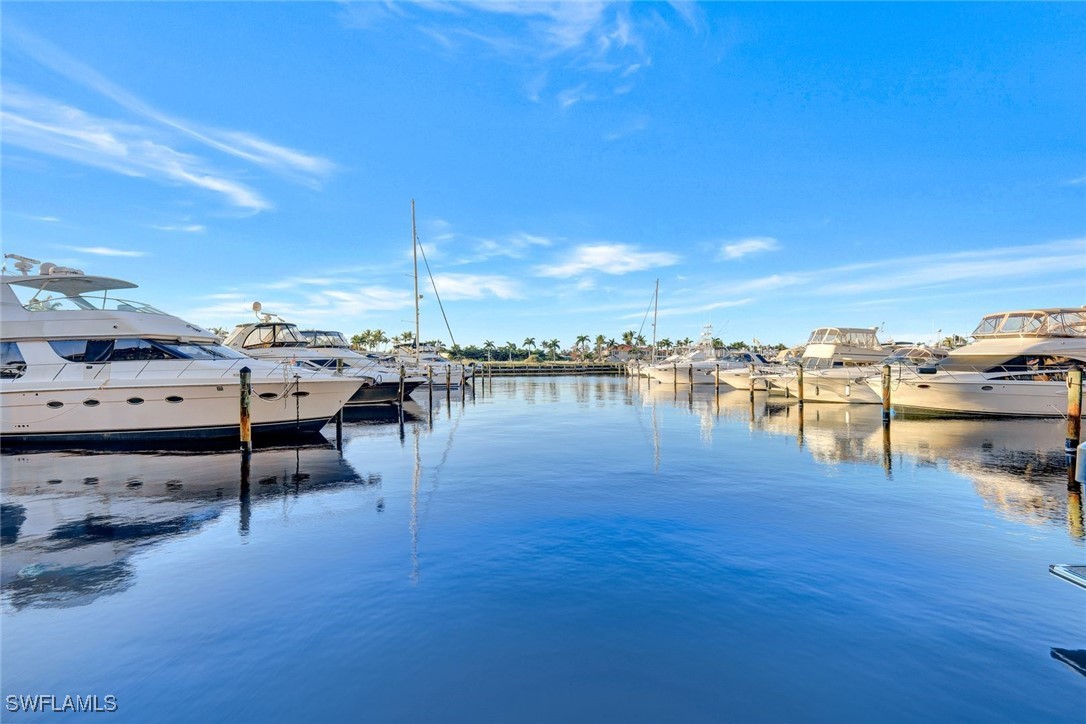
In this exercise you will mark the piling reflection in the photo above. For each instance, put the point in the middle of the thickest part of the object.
(71, 522)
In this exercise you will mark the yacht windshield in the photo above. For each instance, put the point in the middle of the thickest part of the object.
(325, 339)
(274, 335)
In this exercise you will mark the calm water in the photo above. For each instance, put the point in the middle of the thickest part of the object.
(577, 549)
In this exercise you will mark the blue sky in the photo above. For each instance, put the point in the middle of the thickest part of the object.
(777, 166)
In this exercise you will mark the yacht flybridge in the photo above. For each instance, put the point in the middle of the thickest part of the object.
(81, 365)
(1017, 365)
(829, 354)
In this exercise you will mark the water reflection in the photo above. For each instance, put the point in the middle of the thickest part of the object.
(1017, 466)
(70, 522)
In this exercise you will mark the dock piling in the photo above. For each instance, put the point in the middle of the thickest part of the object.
(886, 394)
(339, 430)
(799, 388)
(403, 374)
(246, 410)
(716, 378)
(1074, 424)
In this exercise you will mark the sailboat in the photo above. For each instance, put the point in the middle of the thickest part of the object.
(426, 360)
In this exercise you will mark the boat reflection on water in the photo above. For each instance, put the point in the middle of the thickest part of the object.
(1017, 466)
(70, 522)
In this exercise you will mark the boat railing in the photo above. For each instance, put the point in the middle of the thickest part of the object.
(80, 303)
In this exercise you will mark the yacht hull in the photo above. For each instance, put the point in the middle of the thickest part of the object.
(979, 397)
(173, 410)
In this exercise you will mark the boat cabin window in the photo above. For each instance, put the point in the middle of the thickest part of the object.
(12, 364)
(97, 351)
(190, 350)
(274, 335)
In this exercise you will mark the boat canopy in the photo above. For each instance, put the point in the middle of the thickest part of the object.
(69, 283)
(850, 336)
(265, 335)
(1064, 322)
(324, 338)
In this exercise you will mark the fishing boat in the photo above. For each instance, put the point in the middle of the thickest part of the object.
(1017, 365)
(82, 366)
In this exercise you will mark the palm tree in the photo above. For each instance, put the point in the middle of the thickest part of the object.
(628, 337)
(582, 340)
(552, 345)
(489, 347)
(359, 340)
(611, 343)
(600, 341)
(529, 343)
(377, 338)
(664, 343)
(512, 347)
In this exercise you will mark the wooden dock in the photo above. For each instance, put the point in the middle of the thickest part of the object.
(531, 369)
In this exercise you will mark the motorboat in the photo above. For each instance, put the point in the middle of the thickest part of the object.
(426, 361)
(80, 365)
(738, 369)
(828, 348)
(272, 338)
(848, 383)
(383, 370)
(693, 366)
(1017, 365)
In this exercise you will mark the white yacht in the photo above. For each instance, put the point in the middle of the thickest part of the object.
(82, 366)
(1016, 366)
(829, 348)
(384, 370)
(694, 365)
(271, 338)
(848, 383)
(741, 367)
(424, 360)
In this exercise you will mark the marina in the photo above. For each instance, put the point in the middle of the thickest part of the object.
(729, 368)
(646, 551)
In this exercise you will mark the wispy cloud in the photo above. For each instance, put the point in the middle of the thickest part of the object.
(153, 151)
(608, 259)
(475, 286)
(55, 129)
(603, 44)
(730, 250)
(105, 251)
(185, 228)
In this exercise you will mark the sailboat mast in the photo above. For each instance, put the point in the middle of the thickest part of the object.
(415, 257)
(655, 304)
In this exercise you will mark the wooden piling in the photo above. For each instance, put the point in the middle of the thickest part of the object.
(246, 411)
(886, 394)
(751, 385)
(799, 388)
(403, 374)
(690, 376)
(1074, 409)
(675, 375)
(430, 386)
(716, 377)
(448, 385)
(339, 430)
(463, 382)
